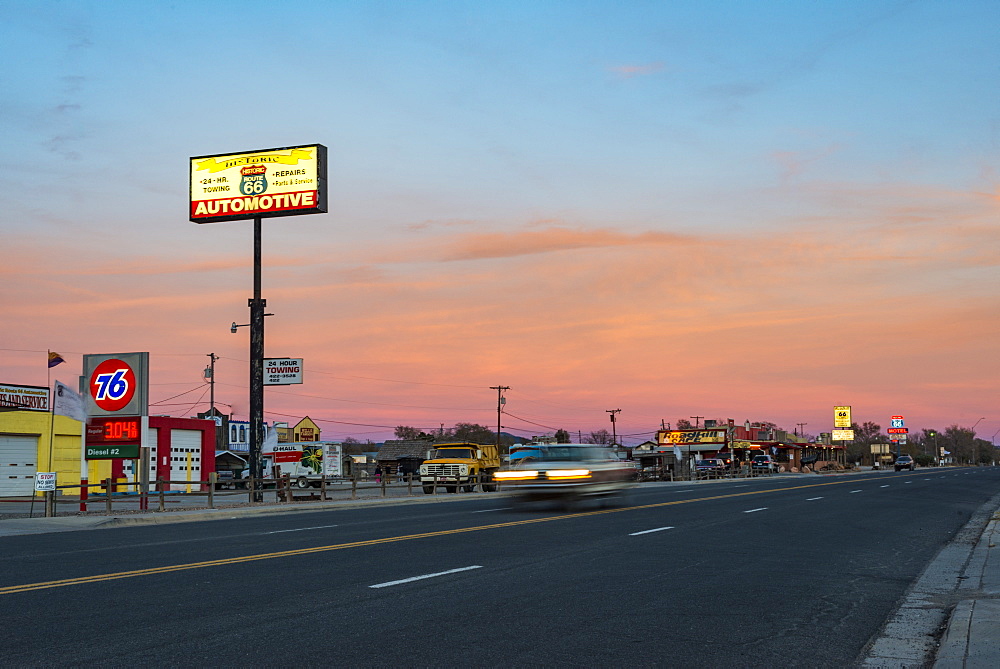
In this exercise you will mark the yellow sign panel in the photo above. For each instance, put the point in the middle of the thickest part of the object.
(691, 436)
(270, 182)
(841, 417)
(842, 435)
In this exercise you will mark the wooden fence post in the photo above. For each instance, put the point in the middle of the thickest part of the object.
(163, 500)
(213, 478)
(354, 485)
(107, 496)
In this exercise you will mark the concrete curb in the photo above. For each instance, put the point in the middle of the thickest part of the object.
(972, 638)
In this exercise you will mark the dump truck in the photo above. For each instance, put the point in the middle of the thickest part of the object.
(461, 465)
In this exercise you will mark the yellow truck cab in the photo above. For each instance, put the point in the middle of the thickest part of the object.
(460, 465)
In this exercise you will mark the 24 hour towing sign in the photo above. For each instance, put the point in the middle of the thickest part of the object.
(270, 182)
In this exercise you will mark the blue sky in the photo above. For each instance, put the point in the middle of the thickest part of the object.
(577, 199)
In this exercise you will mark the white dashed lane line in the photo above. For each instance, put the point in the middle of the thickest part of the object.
(763, 508)
(301, 529)
(420, 578)
(854, 491)
(658, 529)
(813, 499)
(884, 486)
(505, 508)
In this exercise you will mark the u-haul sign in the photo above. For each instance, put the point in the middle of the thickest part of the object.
(282, 371)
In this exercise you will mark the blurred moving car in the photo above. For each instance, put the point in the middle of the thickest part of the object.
(904, 462)
(568, 472)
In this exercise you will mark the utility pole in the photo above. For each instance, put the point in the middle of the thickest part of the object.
(802, 431)
(500, 402)
(614, 432)
(210, 375)
(697, 421)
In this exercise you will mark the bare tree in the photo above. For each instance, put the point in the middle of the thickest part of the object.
(601, 436)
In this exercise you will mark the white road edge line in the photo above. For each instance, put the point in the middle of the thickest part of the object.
(419, 578)
(813, 499)
(763, 508)
(301, 529)
(658, 529)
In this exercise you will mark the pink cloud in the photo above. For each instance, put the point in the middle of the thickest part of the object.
(630, 71)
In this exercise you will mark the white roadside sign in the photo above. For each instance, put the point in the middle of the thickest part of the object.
(282, 371)
(331, 460)
(45, 481)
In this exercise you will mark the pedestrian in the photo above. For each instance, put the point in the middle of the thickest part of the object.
(378, 474)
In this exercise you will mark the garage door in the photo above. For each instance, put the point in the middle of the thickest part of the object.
(18, 464)
(185, 458)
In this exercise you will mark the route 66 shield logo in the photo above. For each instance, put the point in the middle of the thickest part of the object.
(254, 180)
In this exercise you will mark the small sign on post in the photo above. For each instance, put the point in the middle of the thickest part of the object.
(45, 481)
(282, 371)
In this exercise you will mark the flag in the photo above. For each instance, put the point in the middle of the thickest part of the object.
(55, 359)
(67, 402)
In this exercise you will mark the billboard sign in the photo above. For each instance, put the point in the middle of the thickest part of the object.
(282, 371)
(709, 436)
(842, 416)
(24, 398)
(117, 384)
(271, 182)
(843, 435)
(897, 421)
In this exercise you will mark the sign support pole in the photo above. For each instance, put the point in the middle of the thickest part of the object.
(256, 364)
(84, 469)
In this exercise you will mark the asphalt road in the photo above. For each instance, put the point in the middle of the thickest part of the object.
(784, 571)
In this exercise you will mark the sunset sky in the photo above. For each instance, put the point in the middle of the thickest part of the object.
(687, 208)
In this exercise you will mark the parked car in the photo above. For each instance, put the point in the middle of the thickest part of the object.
(764, 462)
(904, 462)
(710, 466)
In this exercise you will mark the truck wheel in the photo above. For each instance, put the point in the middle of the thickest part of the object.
(469, 488)
(302, 483)
(452, 488)
(428, 489)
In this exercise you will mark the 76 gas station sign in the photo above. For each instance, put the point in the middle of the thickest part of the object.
(117, 384)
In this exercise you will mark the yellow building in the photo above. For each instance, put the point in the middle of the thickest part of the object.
(38, 441)
(305, 430)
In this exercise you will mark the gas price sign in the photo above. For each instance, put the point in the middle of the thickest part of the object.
(122, 431)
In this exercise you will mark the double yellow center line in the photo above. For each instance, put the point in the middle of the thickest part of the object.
(81, 580)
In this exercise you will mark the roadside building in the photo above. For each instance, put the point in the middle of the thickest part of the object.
(181, 450)
(402, 455)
